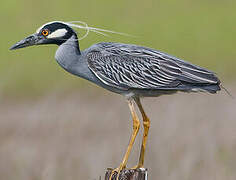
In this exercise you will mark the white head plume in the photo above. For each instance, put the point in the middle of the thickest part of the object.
(83, 25)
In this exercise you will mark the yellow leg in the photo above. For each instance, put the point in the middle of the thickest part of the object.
(146, 125)
(136, 126)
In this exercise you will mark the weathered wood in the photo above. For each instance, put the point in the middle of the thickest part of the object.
(128, 174)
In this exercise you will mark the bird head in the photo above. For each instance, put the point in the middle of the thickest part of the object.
(58, 32)
(51, 33)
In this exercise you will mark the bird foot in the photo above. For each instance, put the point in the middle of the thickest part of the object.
(117, 170)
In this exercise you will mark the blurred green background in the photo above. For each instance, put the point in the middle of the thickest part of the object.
(202, 32)
(54, 125)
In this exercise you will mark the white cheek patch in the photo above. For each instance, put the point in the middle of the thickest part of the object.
(57, 33)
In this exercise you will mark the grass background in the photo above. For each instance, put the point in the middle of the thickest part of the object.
(53, 125)
(202, 32)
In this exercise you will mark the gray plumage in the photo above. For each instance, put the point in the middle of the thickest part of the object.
(130, 70)
(123, 68)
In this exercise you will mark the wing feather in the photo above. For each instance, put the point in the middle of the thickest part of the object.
(129, 66)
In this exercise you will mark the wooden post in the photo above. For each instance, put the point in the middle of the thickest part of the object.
(128, 174)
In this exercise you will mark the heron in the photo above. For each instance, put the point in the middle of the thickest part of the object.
(130, 70)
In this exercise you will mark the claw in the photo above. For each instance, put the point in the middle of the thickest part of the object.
(116, 170)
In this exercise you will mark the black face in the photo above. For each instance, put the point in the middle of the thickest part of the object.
(60, 32)
(50, 33)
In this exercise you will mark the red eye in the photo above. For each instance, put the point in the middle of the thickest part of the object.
(45, 32)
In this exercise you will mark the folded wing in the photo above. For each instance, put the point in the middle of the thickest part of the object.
(129, 66)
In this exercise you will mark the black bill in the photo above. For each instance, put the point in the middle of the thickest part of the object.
(29, 41)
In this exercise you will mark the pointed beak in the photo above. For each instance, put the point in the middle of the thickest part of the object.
(29, 41)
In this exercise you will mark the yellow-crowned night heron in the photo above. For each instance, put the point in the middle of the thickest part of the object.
(130, 70)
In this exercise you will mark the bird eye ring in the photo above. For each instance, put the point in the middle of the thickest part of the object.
(45, 32)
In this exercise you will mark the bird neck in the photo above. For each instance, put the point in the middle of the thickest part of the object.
(68, 53)
(73, 42)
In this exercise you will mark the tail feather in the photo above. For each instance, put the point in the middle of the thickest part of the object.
(211, 88)
(195, 78)
(193, 74)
